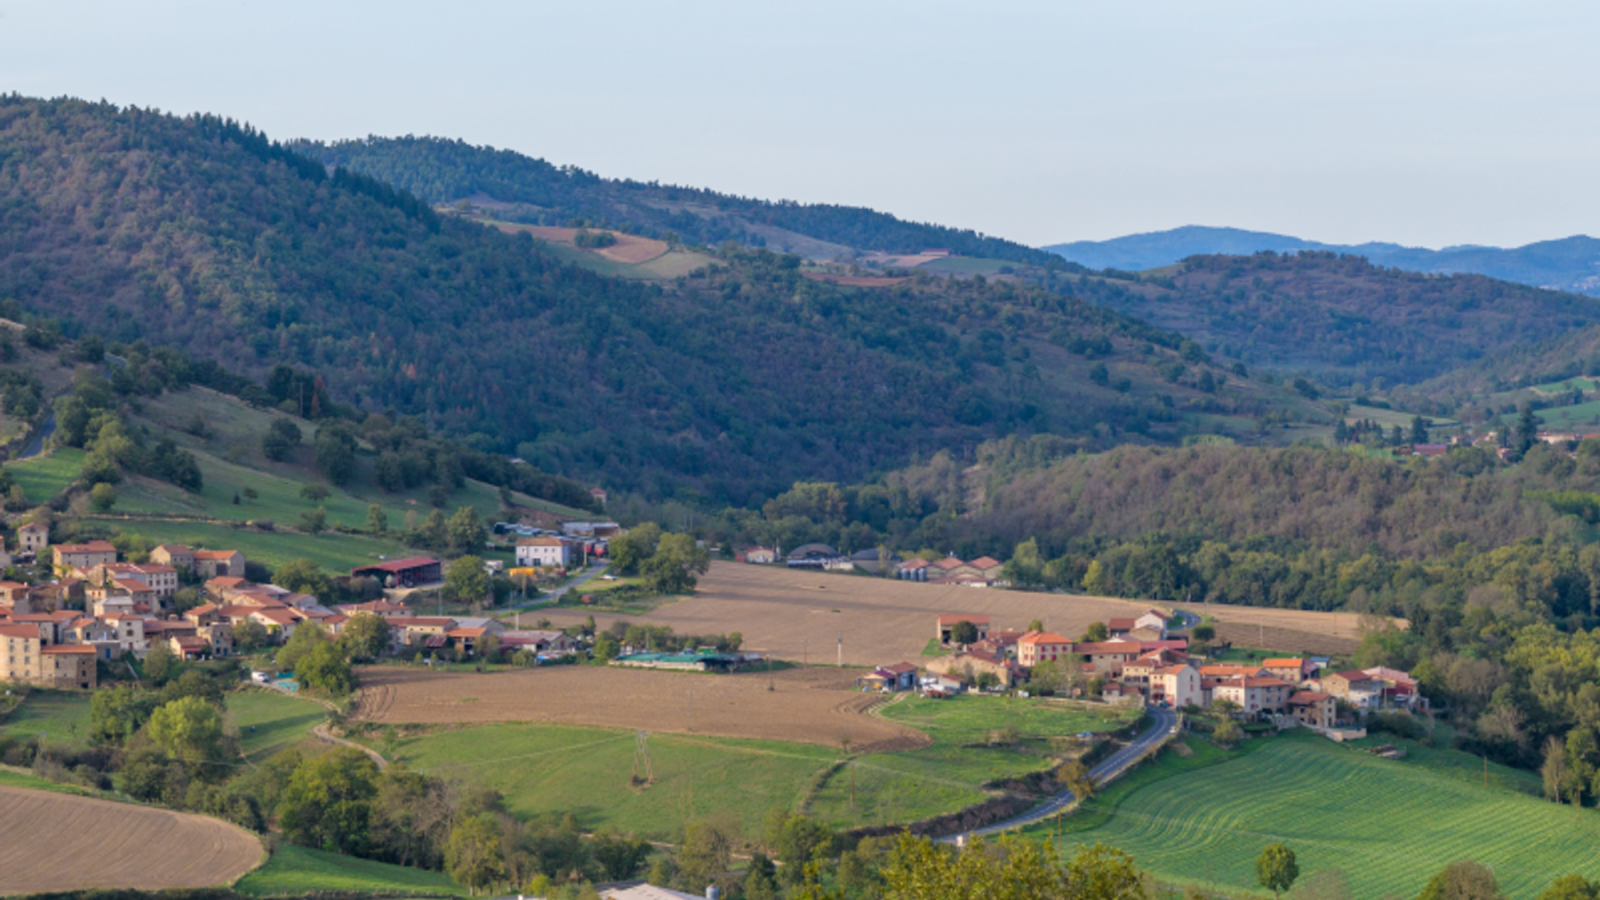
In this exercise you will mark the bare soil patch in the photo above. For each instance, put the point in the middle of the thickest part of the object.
(629, 248)
(808, 705)
(800, 614)
(61, 842)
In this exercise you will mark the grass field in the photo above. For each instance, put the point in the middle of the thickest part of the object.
(336, 552)
(1388, 825)
(230, 459)
(269, 721)
(43, 477)
(63, 716)
(1571, 384)
(914, 784)
(296, 870)
(1566, 418)
(556, 769)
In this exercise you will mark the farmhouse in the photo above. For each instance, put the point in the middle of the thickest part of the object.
(83, 556)
(32, 538)
(1177, 686)
(175, 555)
(1313, 708)
(1354, 687)
(543, 551)
(1254, 696)
(1293, 671)
(404, 573)
(947, 623)
(974, 664)
(218, 563)
(28, 658)
(383, 608)
(898, 677)
(1036, 647)
(761, 556)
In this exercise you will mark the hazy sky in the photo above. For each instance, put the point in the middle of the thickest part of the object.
(1428, 123)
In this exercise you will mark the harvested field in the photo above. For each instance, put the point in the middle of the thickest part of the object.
(798, 614)
(629, 248)
(806, 705)
(1285, 629)
(61, 842)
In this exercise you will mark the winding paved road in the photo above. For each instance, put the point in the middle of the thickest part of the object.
(595, 568)
(1162, 722)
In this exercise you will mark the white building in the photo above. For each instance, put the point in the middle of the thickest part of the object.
(543, 551)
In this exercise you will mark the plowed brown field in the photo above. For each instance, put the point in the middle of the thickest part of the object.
(62, 842)
(811, 705)
(800, 614)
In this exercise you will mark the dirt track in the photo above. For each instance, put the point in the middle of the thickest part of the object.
(813, 705)
(63, 842)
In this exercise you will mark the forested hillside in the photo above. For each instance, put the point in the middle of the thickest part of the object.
(1569, 264)
(524, 189)
(1568, 356)
(198, 234)
(1340, 318)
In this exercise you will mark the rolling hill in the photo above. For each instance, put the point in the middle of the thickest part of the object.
(734, 380)
(1340, 318)
(1568, 264)
(523, 189)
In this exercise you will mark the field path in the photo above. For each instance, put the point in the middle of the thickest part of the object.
(63, 842)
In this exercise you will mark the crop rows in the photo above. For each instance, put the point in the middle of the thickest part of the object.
(1341, 809)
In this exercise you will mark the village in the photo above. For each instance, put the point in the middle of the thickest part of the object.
(99, 610)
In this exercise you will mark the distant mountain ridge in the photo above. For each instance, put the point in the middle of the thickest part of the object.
(1569, 264)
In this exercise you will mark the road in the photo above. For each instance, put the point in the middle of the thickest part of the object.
(1162, 721)
(595, 568)
(36, 446)
(1183, 620)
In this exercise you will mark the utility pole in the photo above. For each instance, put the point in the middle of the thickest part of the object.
(841, 658)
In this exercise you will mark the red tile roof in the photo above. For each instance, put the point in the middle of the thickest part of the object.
(91, 547)
(19, 631)
(984, 562)
(1121, 623)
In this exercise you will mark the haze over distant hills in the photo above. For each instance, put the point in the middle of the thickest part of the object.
(1569, 264)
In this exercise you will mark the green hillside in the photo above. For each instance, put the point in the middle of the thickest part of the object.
(734, 382)
(1388, 826)
(1340, 318)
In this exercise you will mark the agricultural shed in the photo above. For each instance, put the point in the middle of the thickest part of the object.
(403, 572)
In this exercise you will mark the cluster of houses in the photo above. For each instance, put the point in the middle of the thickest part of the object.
(1141, 662)
(99, 608)
(981, 572)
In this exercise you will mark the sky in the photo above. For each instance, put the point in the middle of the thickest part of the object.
(1426, 123)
